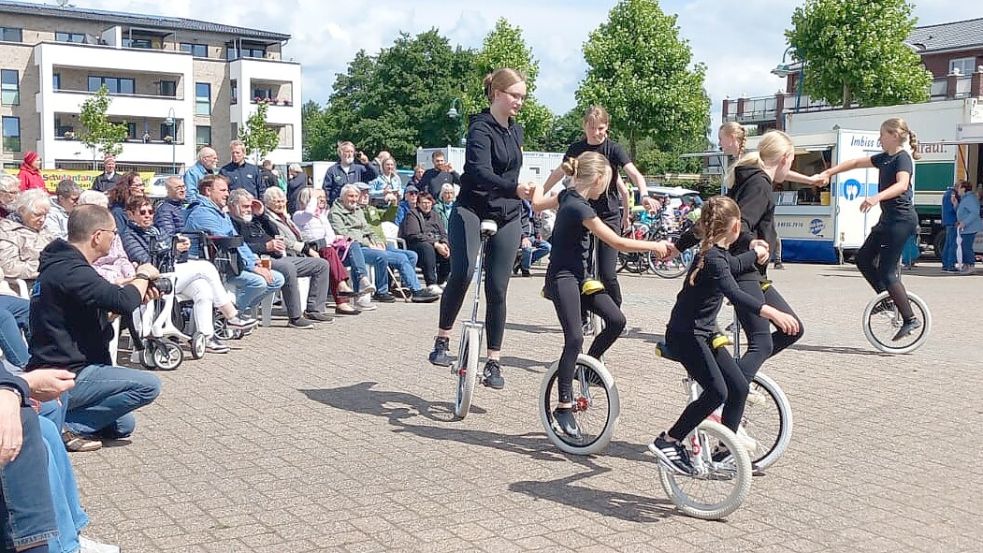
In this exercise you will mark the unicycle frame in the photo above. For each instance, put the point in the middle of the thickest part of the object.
(462, 369)
(912, 299)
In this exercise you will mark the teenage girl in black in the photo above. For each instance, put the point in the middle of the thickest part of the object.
(692, 326)
(490, 189)
(567, 271)
(880, 253)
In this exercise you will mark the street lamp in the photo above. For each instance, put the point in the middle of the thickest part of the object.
(453, 113)
(172, 123)
(783, 70)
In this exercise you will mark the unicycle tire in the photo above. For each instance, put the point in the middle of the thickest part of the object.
(597, 407)
(467, 371)
(768, 421)
(881, 321)
(733, 474)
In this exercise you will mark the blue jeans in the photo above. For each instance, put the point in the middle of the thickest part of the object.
(949, 250)
(539, 250)
(26, 512)
(355, 260)
(69, 515)
(102, 401)
(250, 288)
(379, 260)
(969, 258)
(14, 315)
(404, 261)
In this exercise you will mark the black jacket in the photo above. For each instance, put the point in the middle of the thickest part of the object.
(532, 222)
(433, 180)
(492, 162)
(268, 179)
(104, 183)
(244, 176)
(294, 186)
(69, 307)
(257, 233)
(417, 227)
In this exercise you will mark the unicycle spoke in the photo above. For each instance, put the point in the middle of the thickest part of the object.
(883, 321)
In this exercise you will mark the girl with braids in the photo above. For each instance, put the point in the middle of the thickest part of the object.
(567, 271)
(880, 253)
(692, 326)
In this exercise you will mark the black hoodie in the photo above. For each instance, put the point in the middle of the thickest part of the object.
(491, 169)
(69, 306)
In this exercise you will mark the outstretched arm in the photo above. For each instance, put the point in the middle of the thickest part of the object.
(620, 243)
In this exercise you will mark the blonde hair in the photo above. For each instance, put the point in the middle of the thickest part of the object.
(774, 144)
(586, 168)
(736, 131)
(596, 114)
(899, 127)
(500, 79)
(716, 218)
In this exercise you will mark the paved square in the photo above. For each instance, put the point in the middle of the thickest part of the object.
(341, 439)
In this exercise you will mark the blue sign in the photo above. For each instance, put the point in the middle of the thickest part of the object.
(851, 189)
(816, 226)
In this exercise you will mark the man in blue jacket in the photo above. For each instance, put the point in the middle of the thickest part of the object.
(242, 174)
(348, 170)
(207, 165)
(948, 254)
(170, 213)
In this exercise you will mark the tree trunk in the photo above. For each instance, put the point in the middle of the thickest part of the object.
(847, 99)
(632, 146)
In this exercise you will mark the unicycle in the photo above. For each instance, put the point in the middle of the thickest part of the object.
(593, 323)
(881, 321)
(466, 365)
(721, 479)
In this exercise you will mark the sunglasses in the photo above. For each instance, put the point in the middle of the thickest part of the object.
(146, 212)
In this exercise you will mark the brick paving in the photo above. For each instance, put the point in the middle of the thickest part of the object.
(341, 439)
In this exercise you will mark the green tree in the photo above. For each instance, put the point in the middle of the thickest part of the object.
(99, 133)
(564, 131)
(258, 137)
(312, 127)
(643, 73)
(855, 52)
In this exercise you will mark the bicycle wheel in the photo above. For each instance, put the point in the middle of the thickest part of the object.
(467, 371)
(596, 407)
(622, 262)
(716, 489)
(767, 420)
(881, 321)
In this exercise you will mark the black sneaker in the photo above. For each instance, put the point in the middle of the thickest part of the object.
(300, 322)
(492, 375)
(907, 328)
(779, 266)
(385, 297)
(439, 355)
(883, 306)
(318, 317)
(566, 422)
(526, 273)
(424, 295)
(672, 454)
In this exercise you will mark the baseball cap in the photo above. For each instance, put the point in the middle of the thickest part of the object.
(411, 188)
(364, 186)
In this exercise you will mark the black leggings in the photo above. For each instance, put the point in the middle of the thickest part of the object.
(465, 236)
(719, 376)
(879, 256)
(762, 342)
(607, 263)
(564, 291)
(435, 267)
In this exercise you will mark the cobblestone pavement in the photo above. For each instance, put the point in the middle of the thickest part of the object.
(341, 439)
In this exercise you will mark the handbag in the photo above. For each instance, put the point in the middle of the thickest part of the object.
(342, 245)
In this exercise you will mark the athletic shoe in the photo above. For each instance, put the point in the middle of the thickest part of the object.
(365, 286)
(779, 266)
(383, 297)
(364, 302)
(215, 345)
(424, 295)
(492, 375)
(300, 322)
(672, 455)
(241, 323)
(318, 317)
(755, 398)
(884, 306)
(91, 546)
(439, 355)
(566, 422)
(434, 289)
(75, 443)
(743, 438)
(907, 328)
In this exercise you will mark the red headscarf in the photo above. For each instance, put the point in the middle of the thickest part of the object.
(29, 176)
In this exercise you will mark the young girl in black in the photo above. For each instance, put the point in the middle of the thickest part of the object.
(692, 326)
(567, 271)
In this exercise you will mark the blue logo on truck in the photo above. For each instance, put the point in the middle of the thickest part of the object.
(816, 226)
(851, 189)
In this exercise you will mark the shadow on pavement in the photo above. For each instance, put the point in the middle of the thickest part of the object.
(394, 406)
(842, 350)
(533, 329)
(528, 365)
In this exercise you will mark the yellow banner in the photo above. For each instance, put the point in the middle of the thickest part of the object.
(82, 178)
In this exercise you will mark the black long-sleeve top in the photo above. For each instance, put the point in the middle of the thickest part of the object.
(697, 304)
(492, 163)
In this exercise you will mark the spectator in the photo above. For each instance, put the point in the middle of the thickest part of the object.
(197, 280)
(532, 246)
(425, 234)
(387, 181)
(9, 190)
(261, 235)
(968, 223)
(417, 178)
(252, 280)
(380, 160)
(70, 330)
(108, 179)
(62, 203)
(170, 213)
(115, 267)
(23, 236)
(445, 204)
(267, 176)
(950, 200)
(348, 219)
(297, 181)
(442, 173)
(207, 165)
(410, 195)
(30, 172)
(348, 170)
(130, 186)
(375, 216)
(242, 174)
(316, 228)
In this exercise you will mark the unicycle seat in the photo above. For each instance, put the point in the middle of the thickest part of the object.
(488, 228)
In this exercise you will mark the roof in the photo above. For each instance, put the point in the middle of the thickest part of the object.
(145, 21)
(958, 35)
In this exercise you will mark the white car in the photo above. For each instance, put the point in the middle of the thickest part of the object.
(158, 190)
(674, 193)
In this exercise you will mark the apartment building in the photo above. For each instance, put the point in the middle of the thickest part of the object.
(177, 84)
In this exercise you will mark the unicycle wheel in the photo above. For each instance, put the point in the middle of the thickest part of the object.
(596, 407)
(467, 371)
(882, 320)
(767, 422)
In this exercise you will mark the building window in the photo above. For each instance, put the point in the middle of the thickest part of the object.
(142, 43)
(131, 131)
(169, 130)
(234, 90)
(11, 134)
(261, 93)
(60, 129)
(203, 135)
(168, 88)
(78, 38)
(11, 34)
(232, 53)
(203, 99)
(965, 66)
(9, 87)
(56, 81)
(196, 50)
(116, 85)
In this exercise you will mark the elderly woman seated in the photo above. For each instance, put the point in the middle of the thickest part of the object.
(197, 280)
(425, 234)
(23, 236)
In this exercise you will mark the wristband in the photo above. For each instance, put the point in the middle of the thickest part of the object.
(143, 276)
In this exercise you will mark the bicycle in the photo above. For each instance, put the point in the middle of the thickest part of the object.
(695, 494)
(472, 333)
(881, 321)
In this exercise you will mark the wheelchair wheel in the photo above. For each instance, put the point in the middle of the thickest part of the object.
(596, 407)
(167, 355)
(222, 330)
(198, 344)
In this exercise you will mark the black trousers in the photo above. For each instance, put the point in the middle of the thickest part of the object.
(435, 267)
(762, 342)
(607, 263)
(880, 253)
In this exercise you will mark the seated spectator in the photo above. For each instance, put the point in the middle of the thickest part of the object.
(445, 204)
(417, 178)
(197, 280)
(252, 280)
(70, 330)
(296, 181)
(442, 173)
(532, 247)
(410, 196)
(62, 203)
(261, 235)
(348, 219)
(348, 170)
(23, 236)
(387, 181)
(130, 186)
(276, 207)
(169, 216)
(374, 215)
(9, 190)
(14, 327)
(425, 235)
(30, 172)
(380, 160)
(115, 267)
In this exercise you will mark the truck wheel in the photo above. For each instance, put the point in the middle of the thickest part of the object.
(938, 242)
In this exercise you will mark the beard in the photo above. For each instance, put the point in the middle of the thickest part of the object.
(245, 218)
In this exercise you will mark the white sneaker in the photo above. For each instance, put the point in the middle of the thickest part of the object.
(365, 286)
(364, 302)
(89, 546)
(435, 289)
(749, 443)
(755, 398)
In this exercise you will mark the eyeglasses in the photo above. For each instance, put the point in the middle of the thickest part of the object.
(112, 230)
(146, 212)
(515, 95)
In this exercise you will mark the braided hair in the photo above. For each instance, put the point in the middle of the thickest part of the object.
(719, 213)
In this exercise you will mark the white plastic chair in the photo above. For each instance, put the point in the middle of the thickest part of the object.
(391, 232)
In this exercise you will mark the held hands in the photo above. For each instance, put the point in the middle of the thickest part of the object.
(761, 248)
(48, 384)
(671, 251)
(785, 322)
(524, 190)
(662, 248)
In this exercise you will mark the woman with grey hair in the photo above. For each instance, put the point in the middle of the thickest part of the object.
(296, 181)
(445, 203)
(23, 236)
(62, 203)
(9, 190)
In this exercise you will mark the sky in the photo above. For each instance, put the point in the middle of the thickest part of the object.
(739, 41)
